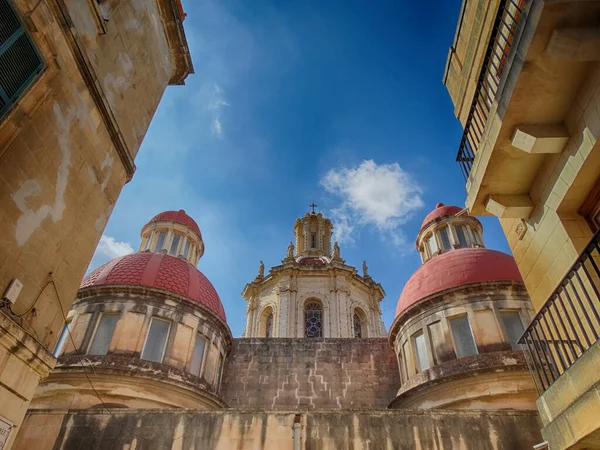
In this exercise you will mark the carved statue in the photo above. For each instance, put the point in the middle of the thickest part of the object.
(290, 250)
(365, 269)
(261, 270)
(336, 250)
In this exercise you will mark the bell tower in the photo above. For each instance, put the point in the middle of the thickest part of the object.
(313, 293)
(313, 234)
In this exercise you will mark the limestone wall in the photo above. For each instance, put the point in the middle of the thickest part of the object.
(254, 430)
(310, 373)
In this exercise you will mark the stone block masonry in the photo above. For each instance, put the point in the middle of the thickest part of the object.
(310, 374)
(272, 430)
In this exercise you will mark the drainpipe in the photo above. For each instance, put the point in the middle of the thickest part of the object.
(541, 446)
(297, 427)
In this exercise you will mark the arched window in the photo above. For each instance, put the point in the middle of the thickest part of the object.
(313, 319)
(357, 325)
(269, 325)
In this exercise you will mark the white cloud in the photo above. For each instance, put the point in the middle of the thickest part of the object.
(384, 196)
(109, 248)
(216, 104)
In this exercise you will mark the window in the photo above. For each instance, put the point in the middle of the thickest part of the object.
(160, 242)
(64, 335)
(313, 320)
(219, 370)
(421, 350)
(186, 249)
(103, 335)
(445, 238)
(198, 355)
(174, 244)
(20, 61)
(314, 241)
(464, 344)
(269, 325)
(514, 327)
(478, 238)
(462, 237)
(402, 366)
(148, 241)
(406, 359)
(156, 340)
(432, 244)
(357, 325)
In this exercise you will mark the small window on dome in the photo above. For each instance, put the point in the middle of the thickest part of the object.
(464, 343)
(148, 241)
(198, 355)
(103, 334)
(156, 340)
(514, 327)
(445, 238)
(62, 339)
(186, 249)
(421, 350)
(462, 237)
(219, 372)
(174, 244)
(431, 241)
(160, 241)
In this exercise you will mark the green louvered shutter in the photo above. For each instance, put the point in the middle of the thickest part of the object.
(20, 61)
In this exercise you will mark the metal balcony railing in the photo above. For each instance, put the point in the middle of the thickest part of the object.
(569, 322)
(495, 58)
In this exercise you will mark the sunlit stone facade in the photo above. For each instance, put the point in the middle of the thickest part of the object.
(313, 293)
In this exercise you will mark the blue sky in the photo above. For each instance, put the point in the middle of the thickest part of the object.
(299, 101)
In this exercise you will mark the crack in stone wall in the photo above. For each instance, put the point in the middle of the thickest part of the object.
(310, 373)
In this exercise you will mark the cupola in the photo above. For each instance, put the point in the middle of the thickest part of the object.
(173, 233)
(448, 228)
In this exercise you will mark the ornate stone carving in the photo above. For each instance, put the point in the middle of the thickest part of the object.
(365, 269)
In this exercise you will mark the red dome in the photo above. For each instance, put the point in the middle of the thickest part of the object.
(158, 270)
(440, 210)
(457, 268)
(178, 217)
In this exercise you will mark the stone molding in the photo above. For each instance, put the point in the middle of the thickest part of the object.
(20, 343)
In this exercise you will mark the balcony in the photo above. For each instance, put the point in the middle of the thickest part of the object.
(563, 343)
(514, 73)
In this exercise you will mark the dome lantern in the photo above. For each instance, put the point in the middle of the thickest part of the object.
(448, 228)
(174, 233)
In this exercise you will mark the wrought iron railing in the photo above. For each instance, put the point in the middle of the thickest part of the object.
(495, 58)
(569, 322)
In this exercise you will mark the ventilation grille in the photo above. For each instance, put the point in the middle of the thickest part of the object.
(19, 60)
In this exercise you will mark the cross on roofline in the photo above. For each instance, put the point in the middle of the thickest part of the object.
(313, 206)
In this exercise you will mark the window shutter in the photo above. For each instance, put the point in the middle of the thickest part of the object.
(20, 61)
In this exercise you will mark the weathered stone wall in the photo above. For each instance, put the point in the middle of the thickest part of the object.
(310, 373)
(66, 150)
(261, 430)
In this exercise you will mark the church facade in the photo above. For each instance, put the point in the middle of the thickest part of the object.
(146, 359)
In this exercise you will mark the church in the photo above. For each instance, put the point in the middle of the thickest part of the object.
(147, 360)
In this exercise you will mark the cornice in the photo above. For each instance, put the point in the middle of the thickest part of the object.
(21, 344)
(91, 81)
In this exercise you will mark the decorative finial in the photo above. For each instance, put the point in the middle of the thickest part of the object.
(261, 270)
(313, 206)
(365, 269)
